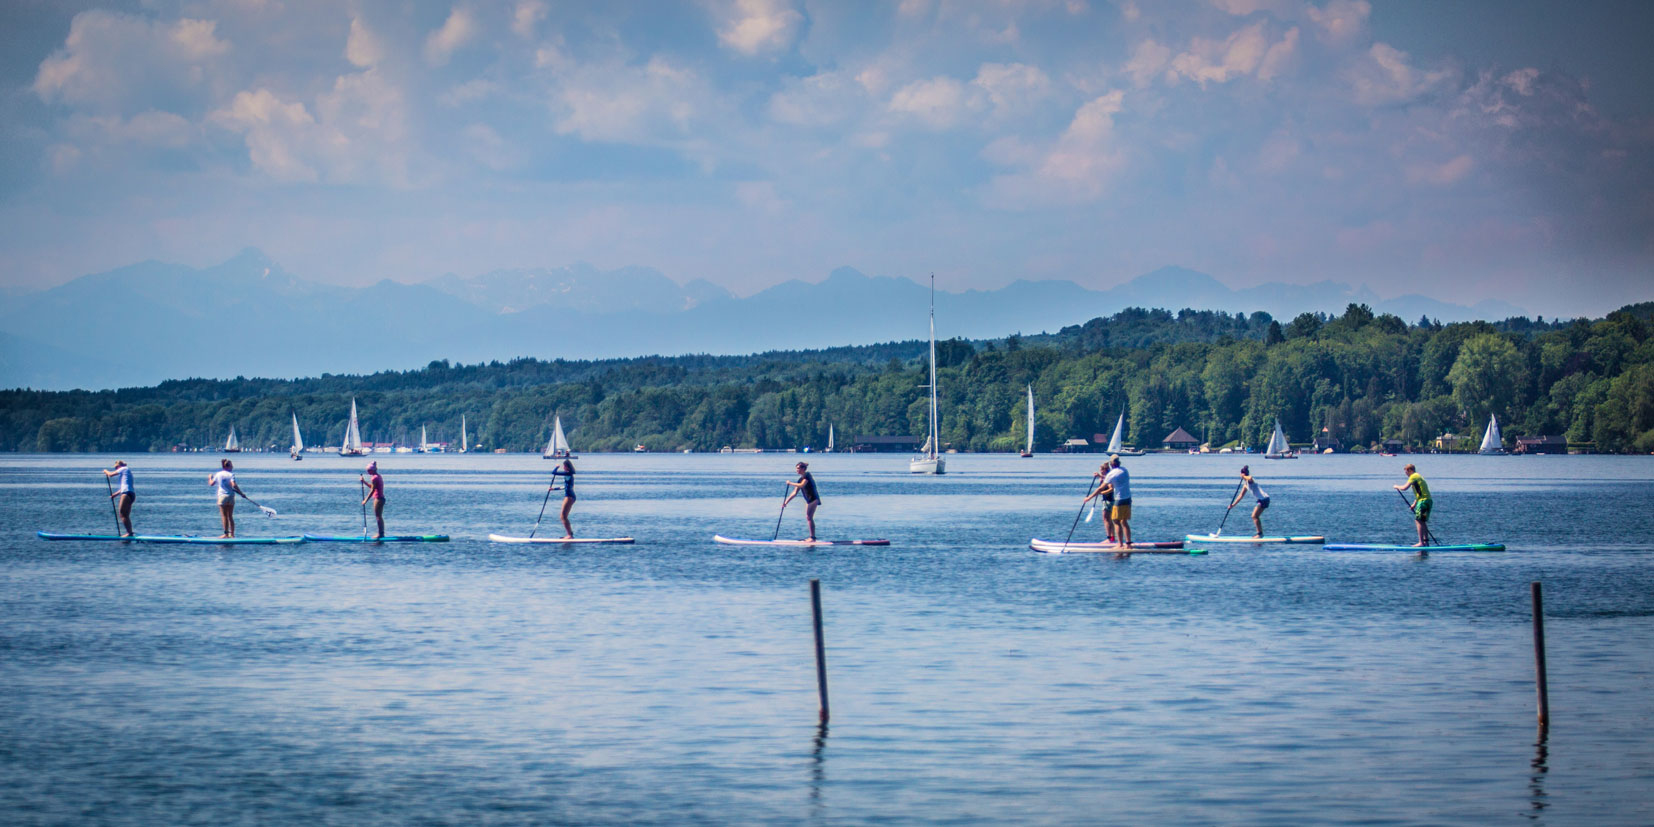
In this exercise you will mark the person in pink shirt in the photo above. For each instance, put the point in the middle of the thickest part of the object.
(376, 492)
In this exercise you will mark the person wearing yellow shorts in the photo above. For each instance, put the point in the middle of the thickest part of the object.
(1118, 480)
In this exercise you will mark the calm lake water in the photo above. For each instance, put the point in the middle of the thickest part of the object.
(672, 681)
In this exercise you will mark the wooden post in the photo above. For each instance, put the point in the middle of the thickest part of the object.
(821, 649)
(1539, 654)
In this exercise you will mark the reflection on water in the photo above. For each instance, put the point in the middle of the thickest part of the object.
(973, 681)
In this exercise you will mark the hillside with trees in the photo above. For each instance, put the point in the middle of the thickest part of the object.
(1224, 377)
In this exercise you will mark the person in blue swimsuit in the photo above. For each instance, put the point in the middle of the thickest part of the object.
(805, 486)
(1250, 486)
(566, 471)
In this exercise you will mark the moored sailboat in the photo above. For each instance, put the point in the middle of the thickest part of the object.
(1492, 441)
(298, 440)
(232, 445)
(931, 462)
(351, 446)
(1116, 444)
(1278, 447)
(464, 446)
(829, 438)
(1028, 449)
(558, 447)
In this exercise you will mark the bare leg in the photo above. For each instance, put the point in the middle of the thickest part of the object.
(126, 513)
(568, 529)
(379, 516)
(1257, 523)
(1122, 531)
(1108, 523)
(1424, 533)
(226, 513)
(810, 517)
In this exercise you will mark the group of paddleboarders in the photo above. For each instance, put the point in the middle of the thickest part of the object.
(1112, 490)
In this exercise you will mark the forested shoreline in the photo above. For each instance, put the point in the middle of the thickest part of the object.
(1222, 377)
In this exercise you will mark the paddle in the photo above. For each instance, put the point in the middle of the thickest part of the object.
(784, 501)
(1076, 524)
(1231, 507)
(549, 489)
(1428, 534)
(268, 511)
(111, 486)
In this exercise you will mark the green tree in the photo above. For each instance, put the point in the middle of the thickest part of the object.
(1485, 377)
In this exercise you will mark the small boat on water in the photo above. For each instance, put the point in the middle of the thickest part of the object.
(351, 445)
(931, 462)
(829, 438)
(1116, 445)
(232, 445)
(298, 440)
(558, 447)
(1028, 448)
(1492, 441)
(464, 446)
(1278, 447)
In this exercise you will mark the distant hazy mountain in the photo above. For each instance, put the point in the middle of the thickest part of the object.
(141, 324)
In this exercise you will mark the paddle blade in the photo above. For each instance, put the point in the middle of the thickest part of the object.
(1091, 513)
(268, 511)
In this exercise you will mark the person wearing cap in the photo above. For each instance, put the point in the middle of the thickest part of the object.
(1106, 493)
(223, 483)
(1250, 486)
(123, 494)
(1118, 480)
(376, 492)
(806, 486)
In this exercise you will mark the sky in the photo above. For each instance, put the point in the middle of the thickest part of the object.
(1463, 150)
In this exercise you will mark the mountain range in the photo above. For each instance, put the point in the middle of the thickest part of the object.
(148, 322)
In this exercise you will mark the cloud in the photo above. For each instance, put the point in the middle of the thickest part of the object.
(940, 102)
(1074, 169)
(1245, 52)
(486, 147)
(1443, 174)
(527, 16)
(112, 61)
(1241, 8)
(151, 128)
(277, 131)
(456, 31)
(1012, 87)
(755, 26)
(1146, 62)
(649, 104)
(357, 133)
(819, 100)
(1340, 21)
(363, 48)
(1385, 75)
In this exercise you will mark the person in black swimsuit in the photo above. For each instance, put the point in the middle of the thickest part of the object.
(806, 485)
(567, 473)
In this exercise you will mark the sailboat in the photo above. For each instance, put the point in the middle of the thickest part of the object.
(829, 437)
(1115, 445)
(558, 447)
(1028, 450)
(1492, 442)
(931, 462)
(298, 440)
(352, 444)
(1278, 448)
(424, 441)
(464, 446)
(232, 445)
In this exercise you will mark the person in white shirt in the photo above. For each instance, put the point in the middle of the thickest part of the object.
(123, 494)
(224, 484)
(1119, 479)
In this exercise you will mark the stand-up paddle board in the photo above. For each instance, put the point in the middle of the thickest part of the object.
(1241, 538)
(175, 538)
(1054, 547)
(1467, 547)
(731, 541)
(388, 538)
(550, 541)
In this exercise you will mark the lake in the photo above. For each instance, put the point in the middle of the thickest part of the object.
(972, 680)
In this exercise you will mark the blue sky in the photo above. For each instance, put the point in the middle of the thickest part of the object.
(1461, 150)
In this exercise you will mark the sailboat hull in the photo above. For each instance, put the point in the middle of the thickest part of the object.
(928, 466)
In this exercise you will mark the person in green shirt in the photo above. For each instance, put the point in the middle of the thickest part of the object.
(1421, 502)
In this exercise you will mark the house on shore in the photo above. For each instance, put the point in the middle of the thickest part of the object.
(885, 444)
(1541, 445)
(1077, 445)
(1179, 440)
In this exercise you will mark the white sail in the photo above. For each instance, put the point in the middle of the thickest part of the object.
(931, 462)
(1492, 442)
(298, 440)
(829, 437)
(1278, 446)
(1029, 449)
(352, 444)
(558, 447)
(1114, 445)
(232, 444)
(463, 445)
(424, 440)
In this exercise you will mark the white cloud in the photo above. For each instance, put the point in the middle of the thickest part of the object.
(1012, 87)
(456, 31)
(819, 100)
(1279, 57)
(755, 26)
(1241, 8)
(1246, 52)
(357, 132)
(277, 133)
(486, 147)
(1443, 174)
(118, 62)
(1130, 11)
(1385, 75)
(640, 104)
(940, 102)
(1076, 168)
(152, 128)
(527, 16)
(1146, 62)
(1522, 81)
(1340, 21)
(363, 48)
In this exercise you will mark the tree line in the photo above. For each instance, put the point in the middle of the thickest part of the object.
(1223, 377)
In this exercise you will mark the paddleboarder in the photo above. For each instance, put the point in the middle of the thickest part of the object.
(1106, 493)
(805, 486)
(1421, 502)
(1250, 486)
(1118, 480)
(566, 471)
(376, 492)
(123, 495)
(224, 483)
